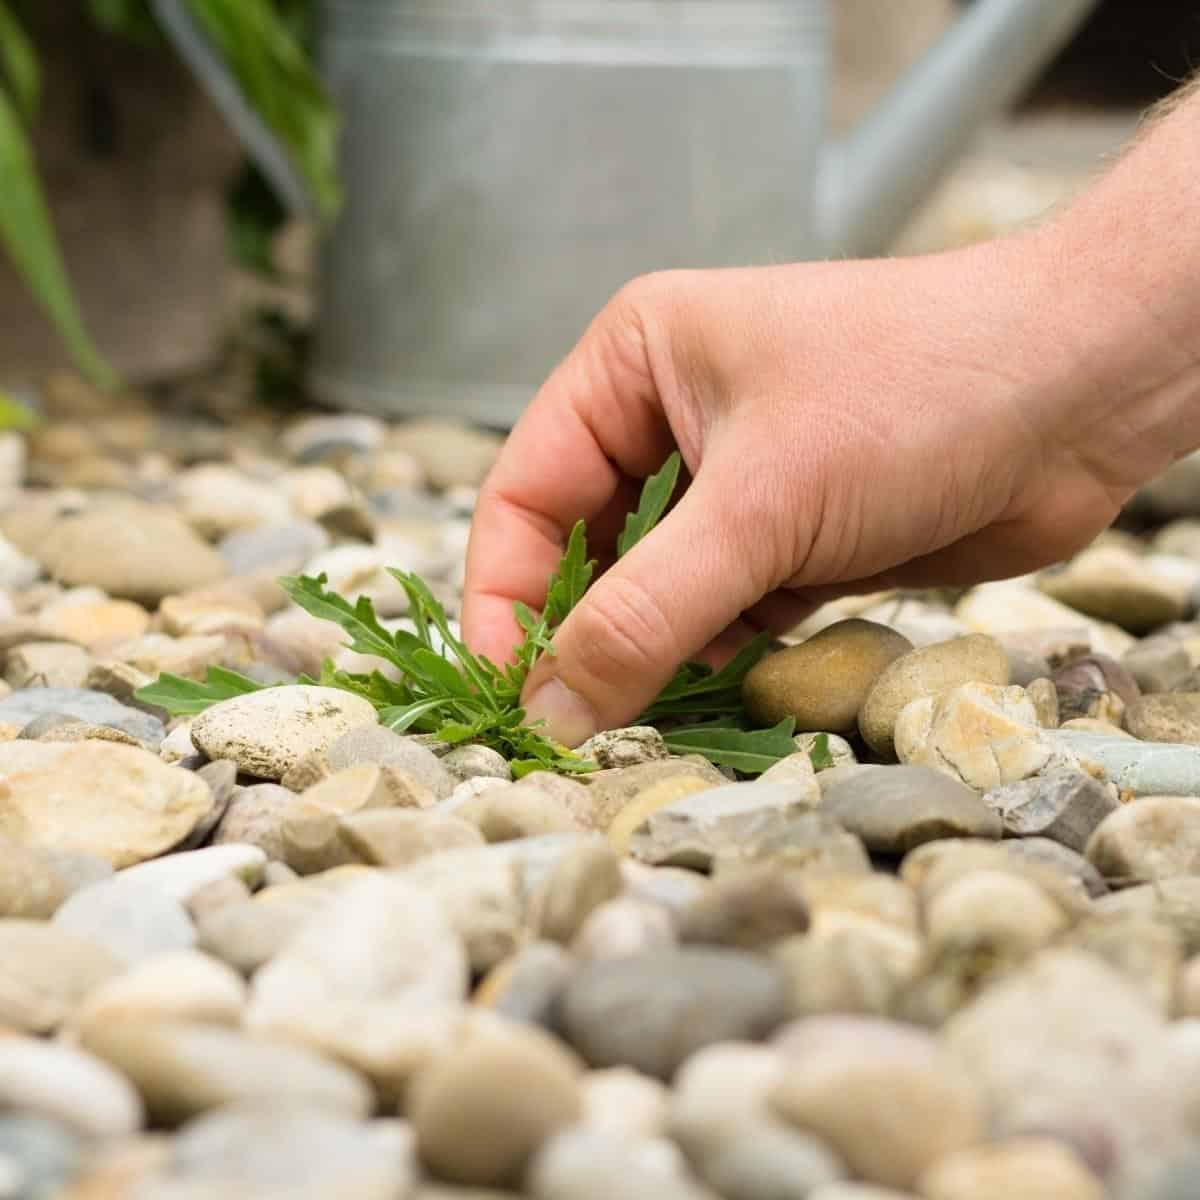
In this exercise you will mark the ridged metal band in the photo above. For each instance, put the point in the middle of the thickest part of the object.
(585, 30)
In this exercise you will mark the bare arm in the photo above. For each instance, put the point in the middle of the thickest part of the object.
(942, 419)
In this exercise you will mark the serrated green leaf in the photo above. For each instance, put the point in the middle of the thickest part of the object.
(186, 697)
(367, 635)
(444, 674)
(27, 234)
(749, 751)
(18, 64)
(570, 580)
(656, 495)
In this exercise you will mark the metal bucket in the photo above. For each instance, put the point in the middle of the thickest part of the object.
(511, 163)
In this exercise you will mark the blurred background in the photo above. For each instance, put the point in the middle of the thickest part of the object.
(175, 206)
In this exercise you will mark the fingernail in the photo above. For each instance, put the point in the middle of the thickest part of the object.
(568, 716)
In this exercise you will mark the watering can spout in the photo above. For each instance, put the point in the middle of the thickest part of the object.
(872, 180)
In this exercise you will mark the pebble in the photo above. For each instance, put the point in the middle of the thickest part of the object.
(994, 910)
(255, 817)
(1166, 717)
(583, 880)
(587, 1164)
(623, 1101)
(179, 985)
(451, 455)
(1113, 585)
(924, 673)
(47, 664)
(1148, 951)
(883, 1095)
(1043, 695)
(274, 549)
(798, 771)
(59, 1083)
(288, 1153)
(374, 743)
(769, 1161)
(30, 883)
(1143, 768)
(823, 682)
(525, 987)
(1032, 1168)
(1063, 805)
(622, 927)
(477, 762)
(39, 1155)
(615, 748)
(147, 806)
(612, 792)
(249, 934)
(133, 551)
(1158, 664)
(1153, 838)
(651, 1011)
(504, 815)
(396, 837)
(183, 1069)
(893, 809)
(133, 921)
(813, 843)
(91, 707)
(46, 973)
(838, 748)
(181, 876)
(484, 1109)
(1097, 673)
(749, 909)
(1174, 902)
(267, 732)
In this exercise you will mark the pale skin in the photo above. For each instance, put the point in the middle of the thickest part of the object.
(847, 427)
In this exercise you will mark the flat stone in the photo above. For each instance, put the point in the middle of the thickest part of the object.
(591, 1164)
(526, 986)
(811, 843)
(1158, 664)
(615, 748)
(131, 920)
(622, 927)
(61, 1084)
(823, 682)
(374, 743)
(1061, 858)
(1063, 805)
(652, 1011)
(1143, 768)
(266, 732)
(182, 1070)
(583, 880)
(30, 883)
(926, 672)
(1032, 1168)
(768, 1159)
(483, 1110)
(894, 809)
(46, 973)
(281, 549)
(91, 707)
(611, 792)
(133, 551)
(881, 1094)
(396, 837)
(183, 875)
(1166, 717)
(476, 762)
(47, 664)
(1155, 837)
(115, 802)
(1113, 585)
(749, 909)
(180, 985)
(450, 454)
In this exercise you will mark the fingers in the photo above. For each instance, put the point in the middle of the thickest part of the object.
(596, 423)
(669, 597)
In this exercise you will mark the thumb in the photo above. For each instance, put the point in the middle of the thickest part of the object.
(664, 601)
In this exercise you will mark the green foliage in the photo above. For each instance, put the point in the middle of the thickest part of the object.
(821, 757)
(446, 690)
(14, 415)
(19, 72)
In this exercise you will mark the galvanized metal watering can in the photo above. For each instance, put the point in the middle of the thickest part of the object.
(509, 164)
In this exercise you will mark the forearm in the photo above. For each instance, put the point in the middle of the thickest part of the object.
(1120, 270)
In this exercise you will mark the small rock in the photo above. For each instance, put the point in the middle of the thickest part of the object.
(994, 910)
(1032, 1168)
(30, 883)
(101, 626)
(1114, 585)
(147, 806)
(1068, 862)
(823, 682)
(451, 455)
(625, 1102)
(882, 1094)
(652, 1011)
(610, 792)
(582, 881)
(40, 1156)
(1096, 673)
(374, 743)
(812, 843)
(275, 549)
(613, 748)
(984, 735)
(591, 1164)
(837, 748)
(1174, 902)
(749, 909)
(517, 812)
(623, 927)
(1143, 768)
(1166, 717)
(1158, 664)
(1043, 695)
(60, 1084)
(396, 837)
(217, 500)
(90, 707)
(894, 809)
(1153, 838)
(648, 801)
(483, 1110)
(249, 934)
(476, 762)
(1146, 950)
(287, 1153)
(183, 875)
(266, 732)
(131, 920)
(255, 817)
(924, 673)
(211, 612)
(182, 1070)
(180, 985)
(796, 769)
(133, 551)
(526, 986)
(45, 973)
(47, 664)
(1063, 805)
(769, 1161)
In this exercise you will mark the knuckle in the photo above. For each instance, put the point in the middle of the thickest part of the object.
(622, 636)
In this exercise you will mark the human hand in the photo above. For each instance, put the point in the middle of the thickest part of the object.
(846, 428)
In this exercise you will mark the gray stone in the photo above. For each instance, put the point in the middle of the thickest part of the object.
(809, 842)
(183, 875)
(749, 909)
(590, 1164)
(81, 704)
(255, 816)
(1064, 806)
(1061, 858)
(1178, 1179)
(613, 748)
(1143, 768)
(581, 882)
(46, 1156)
(374, 743)
(30, 883)
(291, 1153)
(1158, 664)
(282, 549)
(768, 1161)
(527, 986)
(131, 920)
(894, 809)
(651, 1011)
(476, 762)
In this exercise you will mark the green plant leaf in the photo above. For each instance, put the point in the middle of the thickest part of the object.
(18, 65)
(656, 495)
(15, 416)
(358, 620)
(750, 751)
(28, 235)
(130, 18)
(572, 578)
(186, 697)
(276, 77)
(822, 760)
